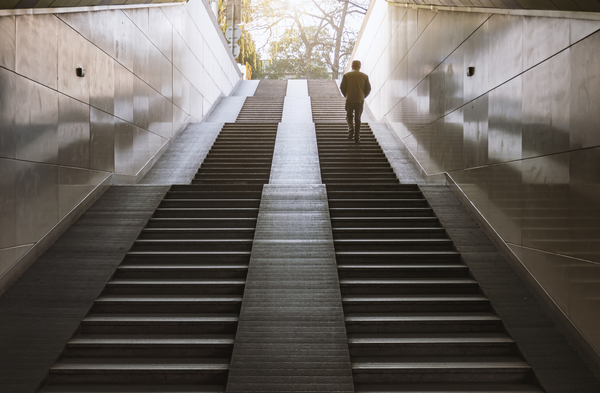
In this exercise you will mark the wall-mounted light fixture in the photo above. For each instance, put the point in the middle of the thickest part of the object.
(470, 71)
(80, 71)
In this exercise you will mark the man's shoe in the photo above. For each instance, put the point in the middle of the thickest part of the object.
(356, 140)
(350, 136)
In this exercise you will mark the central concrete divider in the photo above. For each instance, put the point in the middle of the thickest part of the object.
(291, 334)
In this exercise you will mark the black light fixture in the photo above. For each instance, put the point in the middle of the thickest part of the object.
(80, 71)
(470, 71)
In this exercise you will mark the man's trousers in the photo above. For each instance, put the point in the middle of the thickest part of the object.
(353, 112)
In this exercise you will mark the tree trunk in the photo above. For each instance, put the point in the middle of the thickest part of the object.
(335, 67)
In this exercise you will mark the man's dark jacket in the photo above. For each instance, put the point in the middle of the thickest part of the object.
(355, 86)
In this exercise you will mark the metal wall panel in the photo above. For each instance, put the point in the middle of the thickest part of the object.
(124, 43)
(141, 104)
(102, 141)
(37, 200)
(103, 30)
(8, 29)
(73, 51)
(36, 122)
(8, 107)
(585, 93)
(101, 75)
(8, 203)
(37, 48)
(124, 93)
(73, 133)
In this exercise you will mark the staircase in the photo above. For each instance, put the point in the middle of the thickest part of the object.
(327, 103)
(416, 320)
(166, 320)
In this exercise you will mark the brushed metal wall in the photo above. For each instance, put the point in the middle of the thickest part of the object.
(148, 71)
(520, 138)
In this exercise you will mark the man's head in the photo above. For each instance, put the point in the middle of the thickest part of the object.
(356, 65)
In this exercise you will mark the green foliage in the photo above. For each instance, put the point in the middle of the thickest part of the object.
(248, 53)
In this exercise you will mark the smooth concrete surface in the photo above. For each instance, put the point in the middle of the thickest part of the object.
(181, 161)
(41, 311)
(246, 88)
(291, 336)
(398, 157)
(295, 157)
(227, 110)
(148, 72)
(296, 109)
(519, 137)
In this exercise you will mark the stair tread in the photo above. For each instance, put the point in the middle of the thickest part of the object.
(132, 364)
(440, 363)
(431, 281)
(154, 339)
(137, 266)
(408, 317)
(422, 298)
(430, 338)
(178, 281)
(383, 241)
(166, 317)
(128, 388)
(399, 253)
(167, 298)
(188, 253)
(470, 387)
(192, 241)
(404, 267)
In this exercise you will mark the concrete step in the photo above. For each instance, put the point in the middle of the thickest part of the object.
(150, 346)
(155, 303)
(206, 212)
(197, 233)
(219, 175)
(377, 180)
(209, 203)
(373, 194)
(385, 222)
(173, 270)
(376, 286)
(366, 211)
(397, 257)
(235, 190)
(159, 323)
(240, 180)
(129, 388)
(139, 370)
(431, 344)
(396, 303)
(366, 233)
(402, 189)
(380, 203)
(468, 387)
(441, 370)
(203, 192)
(422, 323)
(201, 223)
(187, 257)
(180, 286)
(370, 270)
(383, 245)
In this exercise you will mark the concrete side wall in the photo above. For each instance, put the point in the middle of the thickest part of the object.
(520, 138)
(63, 138)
